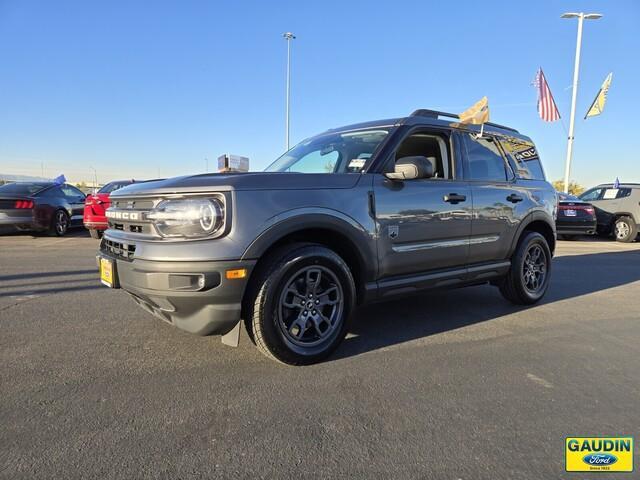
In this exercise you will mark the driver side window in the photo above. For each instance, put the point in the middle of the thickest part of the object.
(71, 192)
(316, 162)
(591, 195)
(431, 145)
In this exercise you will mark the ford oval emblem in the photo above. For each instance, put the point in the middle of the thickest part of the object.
(600, 459)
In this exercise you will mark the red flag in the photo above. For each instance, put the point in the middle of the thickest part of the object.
(547, 108)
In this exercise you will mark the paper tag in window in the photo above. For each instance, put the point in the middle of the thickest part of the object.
(610, 193)
(357, 163)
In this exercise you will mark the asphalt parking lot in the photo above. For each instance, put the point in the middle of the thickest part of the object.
(456, 384)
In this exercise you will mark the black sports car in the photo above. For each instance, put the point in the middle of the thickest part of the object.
(575, 217)
(41, 206)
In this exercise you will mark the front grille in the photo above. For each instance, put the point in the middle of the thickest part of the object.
(135, 204)
(129, 215)
(119, 250)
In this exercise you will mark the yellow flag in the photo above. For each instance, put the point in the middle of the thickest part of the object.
(477, 114)
(601, 98)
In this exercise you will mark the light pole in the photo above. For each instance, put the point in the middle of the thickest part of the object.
(95, 179)
(574, 94)
(288, 37)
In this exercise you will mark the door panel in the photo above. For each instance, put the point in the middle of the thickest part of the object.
(418, 229)
(497, 215)
(498, 202)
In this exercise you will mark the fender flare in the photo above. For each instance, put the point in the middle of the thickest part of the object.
(537, 215)
(292, 221)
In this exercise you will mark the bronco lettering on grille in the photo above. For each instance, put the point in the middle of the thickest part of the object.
(135, 216)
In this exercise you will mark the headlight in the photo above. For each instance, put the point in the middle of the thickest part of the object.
(188, 218)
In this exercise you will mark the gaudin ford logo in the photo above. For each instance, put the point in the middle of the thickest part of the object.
(599, 454)
(117, 215)
(600, 459)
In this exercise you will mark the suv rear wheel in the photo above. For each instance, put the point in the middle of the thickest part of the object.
(301, 304)
(528, 277)
(59, 223)
(625, 229)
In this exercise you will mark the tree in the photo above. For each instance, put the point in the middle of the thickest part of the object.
(574, 187)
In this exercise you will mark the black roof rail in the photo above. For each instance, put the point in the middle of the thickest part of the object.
(423, 112)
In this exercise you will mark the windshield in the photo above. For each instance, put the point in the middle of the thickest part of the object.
(22, 188)
(341, 152)
(113, 186)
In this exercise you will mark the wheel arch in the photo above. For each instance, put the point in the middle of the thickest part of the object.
(349, 239)
(540, 222)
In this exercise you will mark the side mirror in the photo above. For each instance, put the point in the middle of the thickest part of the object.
(411, 168)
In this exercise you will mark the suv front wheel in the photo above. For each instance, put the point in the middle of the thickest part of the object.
(529, 274)
(301, 304)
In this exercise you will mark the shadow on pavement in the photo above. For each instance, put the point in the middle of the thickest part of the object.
(389, 323)
(24, 276)
(75, 232)
(47, 291)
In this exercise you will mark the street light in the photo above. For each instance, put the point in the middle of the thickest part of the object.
(95, 179)
(574, 94)
(288, 37)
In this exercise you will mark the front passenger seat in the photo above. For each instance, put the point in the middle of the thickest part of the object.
(434, 164)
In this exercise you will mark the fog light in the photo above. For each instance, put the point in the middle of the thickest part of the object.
(237, 273)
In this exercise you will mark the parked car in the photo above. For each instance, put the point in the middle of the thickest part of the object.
(41, 206)
(575, 217)
(617, 209)
(357, 214)
(96, 204)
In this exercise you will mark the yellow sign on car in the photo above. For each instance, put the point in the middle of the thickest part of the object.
(599, 454)
(106, 272)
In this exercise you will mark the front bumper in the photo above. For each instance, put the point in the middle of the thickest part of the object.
(166, 289)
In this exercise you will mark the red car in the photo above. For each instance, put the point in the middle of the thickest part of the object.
(95, 206)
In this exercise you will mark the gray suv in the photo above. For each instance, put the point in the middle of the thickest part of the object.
(617, 209)
(357, 214)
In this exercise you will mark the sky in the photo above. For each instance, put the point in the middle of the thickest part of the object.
(151, 89)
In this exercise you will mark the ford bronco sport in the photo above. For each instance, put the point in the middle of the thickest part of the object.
(356, 214)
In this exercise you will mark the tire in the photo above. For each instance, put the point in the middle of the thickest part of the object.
(625, 229)
(59, 223)
(300, 333)
(530, 271)
(95, 233)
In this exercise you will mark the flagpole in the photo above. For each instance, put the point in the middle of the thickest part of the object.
(574, 94)
(288, 37)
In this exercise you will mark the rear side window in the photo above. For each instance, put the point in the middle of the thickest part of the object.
(623, 192)
(485, 161)
(524, 156)
(113, 186)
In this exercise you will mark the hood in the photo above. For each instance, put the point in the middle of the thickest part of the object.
(241, 181)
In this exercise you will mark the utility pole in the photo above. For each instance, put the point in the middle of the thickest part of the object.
(95, 178)
(288, 36)
(574, 94)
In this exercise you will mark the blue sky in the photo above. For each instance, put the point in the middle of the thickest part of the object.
(141, 89)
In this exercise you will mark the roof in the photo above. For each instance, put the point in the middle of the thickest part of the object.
(621, 185)
(431, 117)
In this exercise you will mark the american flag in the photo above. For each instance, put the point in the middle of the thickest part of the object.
(546, 105)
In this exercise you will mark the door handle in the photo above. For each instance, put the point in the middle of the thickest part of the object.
(454, 198)
(513, 198)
